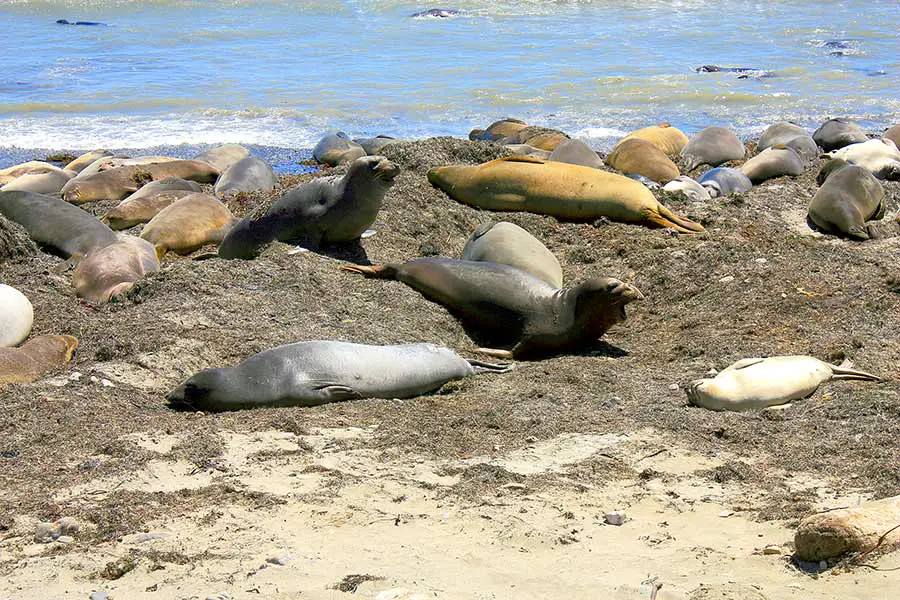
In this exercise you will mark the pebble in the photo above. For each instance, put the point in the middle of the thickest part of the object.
(74, 376)
(726, 513)
(65, 539)
(99, 596)
(46, 532)
(149, 537)
(94, 379)
(773, 549)
(761, 261)
(107, 383)
(616, 517)
(674, 387)
(727, 279)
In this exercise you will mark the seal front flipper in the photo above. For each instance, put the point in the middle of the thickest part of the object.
(486, 367)
(332, 392)
(743, 364)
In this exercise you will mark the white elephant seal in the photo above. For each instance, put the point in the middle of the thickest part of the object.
(249, 174)
(880, 157)
(328, 209)
(576, 152)
(722, 181)
(689, 188)
(776, 161)
(849, 197)
(336, 148)
(222, 157)
(754, 383)
(837, 133)
(16, 316)
(509, 244)
(374, 145)
(318, 372)
(712, 146)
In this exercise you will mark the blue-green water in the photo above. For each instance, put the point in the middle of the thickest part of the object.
(281, 74)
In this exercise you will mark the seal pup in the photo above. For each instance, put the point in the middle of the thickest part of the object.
(570, 192)
(69, 231)
(80, 163)
(35, 357)
(113, 269)
(146, 203)
(712, 146)
(575, 152)
(509, 244)
(880, 156)
(504, 128)
(324, 210)
(16, 316)
(119, 182)
(249, 174)
(50, 182)
(634, 155)
(336, 148)
(512, 307)
(689, 188)
(373, 145)
(754, 383)
(188, 224)
(670, 140)
(850, 195)
(223, 156)
(319, 372)
(722, 181)
(837, 133)
(777, 161)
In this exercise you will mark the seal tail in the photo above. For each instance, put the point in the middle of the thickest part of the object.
(853, 374)
(486, 367)
(372, 272)
(683, 223)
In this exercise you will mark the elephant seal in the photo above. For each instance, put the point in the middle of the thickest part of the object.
(249, 174)
(319, 372)
(188, 224)
(222, 157)
(146, 203)
(850, 195)
(373, 145)
(754, 383)
(504, 128)
(16, 316)
(68, 230)
(509, 244)
(436, 13)
(336, 148)
(570, 192)
(859, 529)
(119, 182)
(50, 182)
(639, 156)
(689, 188)
(776, 161)
(547, 140)
(35, 357)
(893, 134)
(514, 307)
(722, 181)
(526, 150)
(576, 152)
(880, 157)
(82, 162)
(670, 140)
(33, 166)
(779, 133)
(113, 269)
(837, 133)
(327, 209)
(712, 146)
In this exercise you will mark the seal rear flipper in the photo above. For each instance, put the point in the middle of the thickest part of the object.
(683, 222)
(486, 367)
(372, 272)
(847, 373)
(658, 220)
(494, 352)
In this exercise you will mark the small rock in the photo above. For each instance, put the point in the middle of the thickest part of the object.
(674, 387)
(45, 533)
(74, 376)
(761, 261)
(278, 560)
(68, 526)
(773, 549)
(531, 439)
(149, 537)
(726, 513)
(95, 379)
(99, 596)
(616, 517)
(727, 279)
(823, 565)
(513, 486)
(107, 383)
(65, 539)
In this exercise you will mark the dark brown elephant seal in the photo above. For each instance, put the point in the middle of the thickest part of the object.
(509, 244)
(634, 155)
(712, 146)
(512, 307)
(575, 152)
(66, 229)
(327, 209)
(850, 195)
(837, 133)
(35, 357)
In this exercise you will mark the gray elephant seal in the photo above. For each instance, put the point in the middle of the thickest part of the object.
(336, 148)
(837, 133)
(722, 181)
(66, 229)
(323, 210)
(373, 145)
(576, 152)
(509, 244)
(712, 146)
(776, 161)
(249, 174)
(689, 188)
(318, 372)
(16, 316)
(513, 307)
(779, 133)
(754, 383)
(850, 195)
(222, 157)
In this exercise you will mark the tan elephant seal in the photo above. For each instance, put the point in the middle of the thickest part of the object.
(83, 161)
(526, 150)
(33, 166)
(250, 174)
(35, 357)
(337, 148)
(837, 133)
(113, 270)
(776, 161)
(639, 156)
(16, 316)
(575, 152)
(893, 134)
(511, 307)
(568, 192)
(668, 139)
(548, 140)
(504, 128)
(50, 182)
(146, 203)
(712, 146)
(222, 157)
(850, 195)
(509, 244)
(879, 156)
(119, 182)
(188, 224)
(754, 383)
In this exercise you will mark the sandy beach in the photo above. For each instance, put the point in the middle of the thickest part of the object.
(499, 485)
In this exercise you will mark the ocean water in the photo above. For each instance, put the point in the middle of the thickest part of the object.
(280, 74)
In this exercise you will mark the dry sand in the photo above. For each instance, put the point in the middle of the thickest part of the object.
(497, 486)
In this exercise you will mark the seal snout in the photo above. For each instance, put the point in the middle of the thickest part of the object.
(384, 169)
